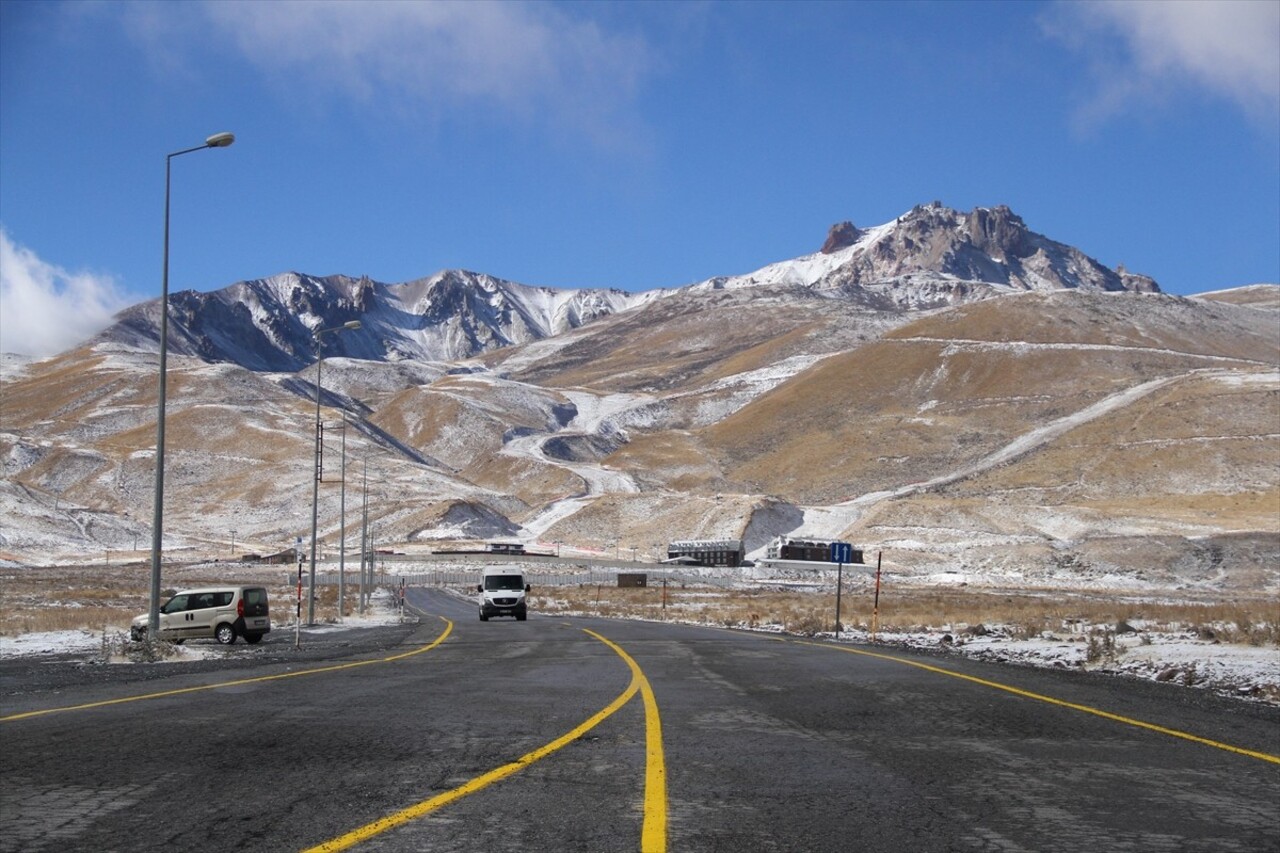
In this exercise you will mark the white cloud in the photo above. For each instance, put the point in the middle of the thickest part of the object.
(522, 60)
(44, 309)
(1230, 48)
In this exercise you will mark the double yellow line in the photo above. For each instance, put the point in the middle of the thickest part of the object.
(653, 836)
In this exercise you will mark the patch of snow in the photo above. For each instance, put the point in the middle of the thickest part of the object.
(80, 641)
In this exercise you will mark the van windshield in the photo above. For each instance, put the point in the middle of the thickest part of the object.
(504, 582)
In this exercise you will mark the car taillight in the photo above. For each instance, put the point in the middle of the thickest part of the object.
(240, 607)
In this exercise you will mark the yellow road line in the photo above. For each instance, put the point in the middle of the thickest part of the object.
(256, 680)
(1107, 715)
(653, 837)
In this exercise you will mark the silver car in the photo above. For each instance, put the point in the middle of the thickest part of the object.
(221, 613)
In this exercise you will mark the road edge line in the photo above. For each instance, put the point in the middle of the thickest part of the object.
(237, 683)
(1027, 694)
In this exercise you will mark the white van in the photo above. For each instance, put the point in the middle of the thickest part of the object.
(502, 593)
(222, 613)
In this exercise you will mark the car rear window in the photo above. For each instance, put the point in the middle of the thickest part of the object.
(255, 601)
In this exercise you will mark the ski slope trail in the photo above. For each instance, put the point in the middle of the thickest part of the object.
(597, 415)
(829, 522)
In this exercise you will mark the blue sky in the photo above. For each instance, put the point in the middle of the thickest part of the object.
(629, 145)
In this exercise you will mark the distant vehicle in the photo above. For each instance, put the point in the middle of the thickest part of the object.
(221, 613)
(502, 593)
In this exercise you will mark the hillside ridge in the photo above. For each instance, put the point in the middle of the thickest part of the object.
(1027, 434)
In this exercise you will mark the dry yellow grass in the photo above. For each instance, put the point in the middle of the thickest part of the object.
(1249, 621)
(1071, 316)
(667, 343)
(94, 598)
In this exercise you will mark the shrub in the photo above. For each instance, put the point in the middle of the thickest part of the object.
(1102, 647)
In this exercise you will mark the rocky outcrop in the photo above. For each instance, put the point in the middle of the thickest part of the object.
(997, 231)
(1136, 282)
(840, 236)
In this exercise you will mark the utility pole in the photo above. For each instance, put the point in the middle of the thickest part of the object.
(364, 536)
(839, 586)
(318, 467)
(342, 526)
(875, 608)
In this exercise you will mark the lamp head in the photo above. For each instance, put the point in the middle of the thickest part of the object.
(220, 140)
(351, 324)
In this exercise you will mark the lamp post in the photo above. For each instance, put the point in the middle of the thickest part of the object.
(218, 140)
(319, 334)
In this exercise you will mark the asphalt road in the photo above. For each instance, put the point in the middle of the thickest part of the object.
(573, 734)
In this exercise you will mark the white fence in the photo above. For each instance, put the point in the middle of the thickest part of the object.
(468, 578)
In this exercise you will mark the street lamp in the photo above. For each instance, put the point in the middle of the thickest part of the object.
(318, 334)
(218, 140)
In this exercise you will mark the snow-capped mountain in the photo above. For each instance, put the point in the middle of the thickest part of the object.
(933, 256)
(929, 257)
(268, 324)
(1046, 417)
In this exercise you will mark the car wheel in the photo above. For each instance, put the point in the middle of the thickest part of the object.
(483, 618)
(522, 616)
(252, 638)
(225, 634)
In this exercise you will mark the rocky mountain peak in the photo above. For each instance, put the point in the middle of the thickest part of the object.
(840, 236)
(998, 231)
(991, 245)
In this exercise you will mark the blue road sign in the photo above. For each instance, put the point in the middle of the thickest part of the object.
(841, 552)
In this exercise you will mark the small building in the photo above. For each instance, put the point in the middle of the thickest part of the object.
(289, 556)
(505, 548)
(807, 550)
(706, 552)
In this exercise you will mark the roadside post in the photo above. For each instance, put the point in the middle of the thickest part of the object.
(297, 619)
(875, 609)
(401, 599)
(841, 553)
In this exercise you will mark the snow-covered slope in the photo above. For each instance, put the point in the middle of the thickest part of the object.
(1054, 418)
